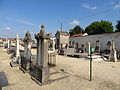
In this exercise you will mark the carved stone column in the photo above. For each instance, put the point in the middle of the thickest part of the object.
(42, 72)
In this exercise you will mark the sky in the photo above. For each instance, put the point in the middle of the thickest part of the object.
(19, 16)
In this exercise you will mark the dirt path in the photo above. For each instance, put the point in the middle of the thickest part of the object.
(106, 75)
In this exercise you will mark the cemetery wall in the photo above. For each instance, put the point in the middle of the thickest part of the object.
(103, 38)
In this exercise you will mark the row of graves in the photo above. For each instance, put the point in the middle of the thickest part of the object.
(38, 66)
(110, 54)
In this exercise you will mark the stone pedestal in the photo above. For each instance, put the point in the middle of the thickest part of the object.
(42, 72)
(42, 75)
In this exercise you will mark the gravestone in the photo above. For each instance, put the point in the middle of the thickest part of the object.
(77, 49)
(82, 48)
(52, 54)
(97, 48)
(113, 55)
(42, 71)
(26, 59)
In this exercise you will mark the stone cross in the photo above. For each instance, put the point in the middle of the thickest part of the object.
(17, 46)
(113, 55)
(41, 69)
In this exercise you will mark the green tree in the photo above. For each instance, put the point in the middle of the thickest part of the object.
(76, 30)
(118, 26)
(99, 27)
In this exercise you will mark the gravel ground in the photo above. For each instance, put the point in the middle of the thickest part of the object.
(106, 75)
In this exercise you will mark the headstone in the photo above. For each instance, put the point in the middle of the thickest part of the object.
(52, 54)
(42, 72)
(82, 48)
(97, 48)
(109, 45)
(113, 55)
(77, 49)
(26, 59)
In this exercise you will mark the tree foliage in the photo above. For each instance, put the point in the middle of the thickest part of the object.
(118, 26)
(99, 27)
(76, 30)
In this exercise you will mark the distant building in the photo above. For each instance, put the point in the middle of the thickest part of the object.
(62, 39)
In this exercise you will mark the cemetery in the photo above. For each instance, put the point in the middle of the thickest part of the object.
(88, 63)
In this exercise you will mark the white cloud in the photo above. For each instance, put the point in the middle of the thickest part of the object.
(117, 6)
(89, 7)
(19, 21)
(8, 28)
(74, 22)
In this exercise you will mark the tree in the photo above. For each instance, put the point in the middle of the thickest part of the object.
(76, 30)
(118, 26)
(99, 27)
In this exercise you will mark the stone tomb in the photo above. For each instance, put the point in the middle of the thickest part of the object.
(42, 71)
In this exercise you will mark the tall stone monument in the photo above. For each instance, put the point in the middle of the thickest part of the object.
(113, 55)
(17, 46)
(8, 44)
(42, 72)
(16, 60)
(26, 59)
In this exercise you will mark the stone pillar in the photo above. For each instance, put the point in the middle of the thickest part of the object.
(41, 69)
(113, 55)
(8, 44)
(17, 46)
(88, 48)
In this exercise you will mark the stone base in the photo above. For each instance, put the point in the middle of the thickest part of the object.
(24, 71)
(42, 75)
(25, 64)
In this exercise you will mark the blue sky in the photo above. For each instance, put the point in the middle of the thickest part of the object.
(18, 16)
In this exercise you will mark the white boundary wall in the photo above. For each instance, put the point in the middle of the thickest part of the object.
(103, 38)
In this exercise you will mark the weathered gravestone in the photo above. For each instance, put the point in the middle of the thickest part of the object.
(42, 71)
(26, 58)
(113, 55)
(52, 53)
(97, 48)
